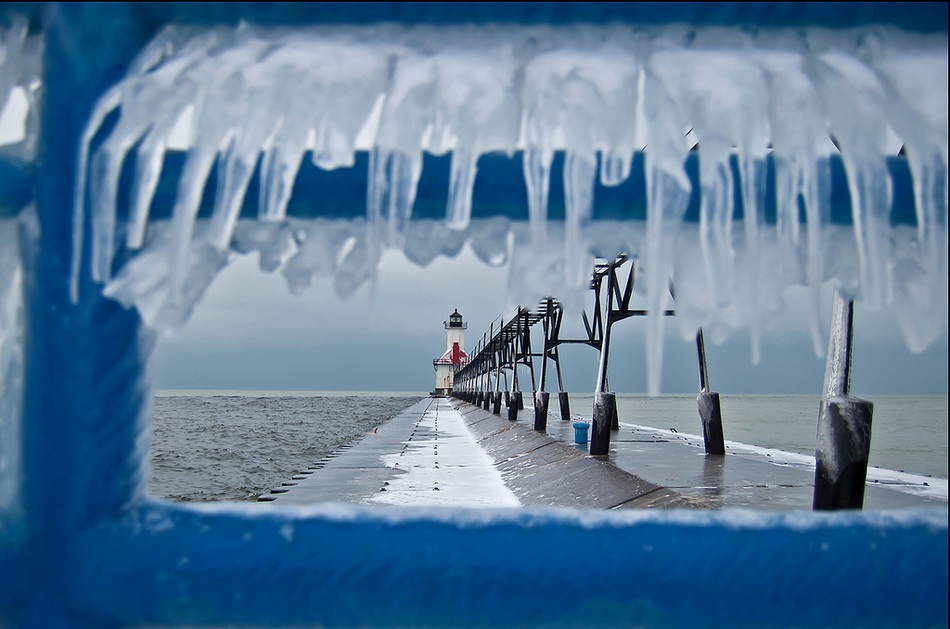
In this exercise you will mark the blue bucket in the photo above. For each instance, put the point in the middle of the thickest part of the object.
(580, 432)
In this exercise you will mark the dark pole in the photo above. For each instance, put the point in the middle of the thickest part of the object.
(605, 404)
(542, 397)
(497, 354)
(563, 399)
(710, 412)
(516, 402)
(844, 422)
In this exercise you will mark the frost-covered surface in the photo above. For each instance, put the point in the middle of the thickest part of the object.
(466, 476)
(733, 518)
(234, 96)
(11, 359)
(20, 63)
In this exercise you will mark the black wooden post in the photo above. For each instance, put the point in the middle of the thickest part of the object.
(710, 412)
(542, 397)
(565, 403)
(605, 404)
(841, 460)
(496, 400)
(541, 400)
(515, 406)
(515, 402)
(605, 407)
(844, 422)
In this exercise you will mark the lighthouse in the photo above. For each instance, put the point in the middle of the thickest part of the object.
(454, 356)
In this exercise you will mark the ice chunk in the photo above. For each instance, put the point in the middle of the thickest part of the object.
(20, 66)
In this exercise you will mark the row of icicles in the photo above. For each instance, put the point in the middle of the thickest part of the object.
(247, 98)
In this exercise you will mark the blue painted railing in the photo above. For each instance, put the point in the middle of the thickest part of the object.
(82, 544)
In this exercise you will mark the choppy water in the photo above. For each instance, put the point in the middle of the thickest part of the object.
(238, 445)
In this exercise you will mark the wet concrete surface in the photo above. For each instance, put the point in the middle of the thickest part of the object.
(738, 479)
(643, 469)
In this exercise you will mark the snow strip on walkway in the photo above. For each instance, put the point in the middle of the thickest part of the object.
(444, 466)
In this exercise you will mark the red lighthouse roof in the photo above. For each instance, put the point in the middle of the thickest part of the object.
(453, 356)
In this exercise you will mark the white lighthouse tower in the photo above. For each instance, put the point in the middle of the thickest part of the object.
(454, 356)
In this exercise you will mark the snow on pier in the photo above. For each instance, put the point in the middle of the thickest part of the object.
(424, 456)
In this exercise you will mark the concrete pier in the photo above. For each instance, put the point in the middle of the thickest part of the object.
(424, 456)
(443, 451)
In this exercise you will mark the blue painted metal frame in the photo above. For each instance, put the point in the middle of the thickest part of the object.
(86, 546)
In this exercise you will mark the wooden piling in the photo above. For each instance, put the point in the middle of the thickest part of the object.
(564, 402)
(541, 399)
(605, 406)
(844, 422)
(710, 411)
(516, 405)
(842, 453)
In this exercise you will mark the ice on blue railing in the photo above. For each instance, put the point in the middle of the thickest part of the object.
(11, 359)
(598, 93)
(20, 61)
(20, 56)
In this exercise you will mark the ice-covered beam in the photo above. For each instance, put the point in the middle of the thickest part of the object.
(80, 542)
(348, 566)
(563, 128)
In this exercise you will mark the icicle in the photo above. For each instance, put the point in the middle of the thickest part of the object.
(666, 202)
(235, 170)
(715, 224)
(853, 99)
(799, 132)
(236, 164)
(461, 183)
(753, 191)
(104, 184)
(869, 185)
(667, 199)
(471, 90)
(920, 268)
(788, 187)
(190, 191)
(615, 167)
(105, 105)
(916, 104)
(404, 173)
(579, 174)
(536, 166)
(148, 171)
(278, 172)
(282, 160)
(817, 195)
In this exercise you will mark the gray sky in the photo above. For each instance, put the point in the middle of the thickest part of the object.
(250, 333)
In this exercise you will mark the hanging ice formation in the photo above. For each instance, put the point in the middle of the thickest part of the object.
(769, 111)
(20, 57)
(19, 72)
